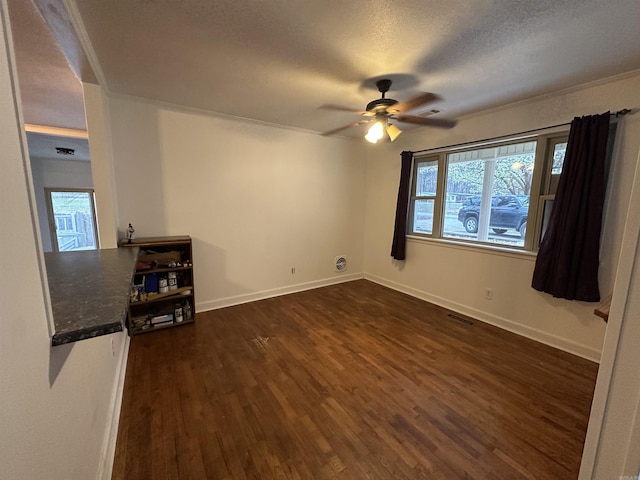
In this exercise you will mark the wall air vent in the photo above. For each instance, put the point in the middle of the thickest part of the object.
(341, 263)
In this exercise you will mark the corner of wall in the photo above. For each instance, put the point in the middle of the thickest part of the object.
(107, 456)
(98, 126)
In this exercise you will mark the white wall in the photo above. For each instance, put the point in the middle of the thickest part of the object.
(455, 277)
(56, 173)
(57, 403)
(100, 150)
(257, 200)
(612, 445)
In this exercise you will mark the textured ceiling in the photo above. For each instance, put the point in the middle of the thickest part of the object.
(51, 92)
(279, 61)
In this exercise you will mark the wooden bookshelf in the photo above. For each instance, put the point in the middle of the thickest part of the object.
(162, 284)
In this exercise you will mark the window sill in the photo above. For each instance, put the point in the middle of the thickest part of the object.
(89, 292)
(477, 248)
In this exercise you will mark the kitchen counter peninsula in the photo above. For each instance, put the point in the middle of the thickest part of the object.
(89, 292)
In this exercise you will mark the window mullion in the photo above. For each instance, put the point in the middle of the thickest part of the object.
(438, 203)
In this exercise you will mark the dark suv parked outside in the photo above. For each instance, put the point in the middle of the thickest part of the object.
(507, 211)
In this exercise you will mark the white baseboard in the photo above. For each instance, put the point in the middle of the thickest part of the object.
(560, 343)
(105, 469)
(563, 344)
(275, 292)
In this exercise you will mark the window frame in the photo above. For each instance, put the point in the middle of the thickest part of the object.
(436, 225)
(547, 187)
(539, 191)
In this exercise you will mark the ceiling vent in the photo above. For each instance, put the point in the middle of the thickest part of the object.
(341, 263)
(433, 111)
(65, 151)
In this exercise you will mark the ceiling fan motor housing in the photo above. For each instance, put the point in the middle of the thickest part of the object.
(380, 104)
(383, 86)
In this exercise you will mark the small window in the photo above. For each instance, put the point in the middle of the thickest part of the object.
(64, 223)
(72, 219)
(555, 150)
(424, 195)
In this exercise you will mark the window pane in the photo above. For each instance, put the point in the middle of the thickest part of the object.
(559, 150)
(487, 194)
(558, 158)
(427, 179)
(74, 218)
(423, 216)
(464, 187)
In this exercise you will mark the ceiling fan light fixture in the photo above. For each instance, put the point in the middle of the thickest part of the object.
(376, 132)
(393, 131)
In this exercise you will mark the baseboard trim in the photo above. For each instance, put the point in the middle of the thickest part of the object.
(560, 343)
(563, 344)
(275, 292)
(105, 470)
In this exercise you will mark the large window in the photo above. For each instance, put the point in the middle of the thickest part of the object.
(496, 193)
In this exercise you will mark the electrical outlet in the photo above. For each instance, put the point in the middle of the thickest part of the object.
(488, 293)
(293, 270)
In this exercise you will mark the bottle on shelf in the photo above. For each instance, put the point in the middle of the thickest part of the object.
(172, 280)
(187, 310)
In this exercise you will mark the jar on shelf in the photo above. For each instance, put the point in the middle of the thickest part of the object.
(172, 280)
(178, 313)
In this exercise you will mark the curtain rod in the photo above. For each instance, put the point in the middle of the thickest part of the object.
(619, 113)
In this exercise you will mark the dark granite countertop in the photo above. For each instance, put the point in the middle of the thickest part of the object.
(89, 292)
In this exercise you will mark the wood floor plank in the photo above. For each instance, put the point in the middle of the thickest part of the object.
(350, 381)
(189, 458)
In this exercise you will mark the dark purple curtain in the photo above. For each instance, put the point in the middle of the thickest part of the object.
(567, 263)
(398, 248)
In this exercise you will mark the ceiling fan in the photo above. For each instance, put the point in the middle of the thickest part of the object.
(384, 109)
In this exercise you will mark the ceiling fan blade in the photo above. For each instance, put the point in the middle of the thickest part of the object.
(331, 132)
(413, 103)
(428, 121)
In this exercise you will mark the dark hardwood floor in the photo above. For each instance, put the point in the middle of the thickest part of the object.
(352, 381)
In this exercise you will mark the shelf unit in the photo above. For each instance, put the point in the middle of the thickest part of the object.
(162, 290)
